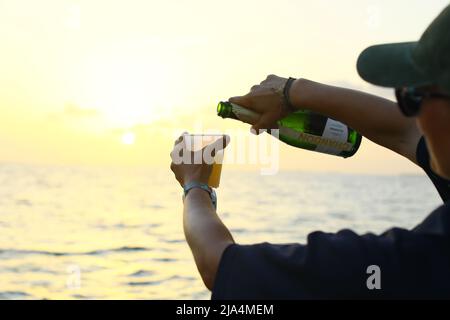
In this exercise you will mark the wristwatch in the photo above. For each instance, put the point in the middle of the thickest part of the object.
(203, 186)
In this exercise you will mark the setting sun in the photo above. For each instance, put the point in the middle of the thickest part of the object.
(128, 138)
(123, 86)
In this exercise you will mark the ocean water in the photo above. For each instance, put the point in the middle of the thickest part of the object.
(116, 233)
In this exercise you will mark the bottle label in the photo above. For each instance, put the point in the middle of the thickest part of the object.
(333, 140)
(337, 132)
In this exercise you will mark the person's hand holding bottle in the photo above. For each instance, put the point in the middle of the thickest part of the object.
(266, 99)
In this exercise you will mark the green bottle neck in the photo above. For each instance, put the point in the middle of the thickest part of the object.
(225, 110)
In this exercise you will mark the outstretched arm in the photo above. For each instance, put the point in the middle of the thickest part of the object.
(376, 118)
(205, 233)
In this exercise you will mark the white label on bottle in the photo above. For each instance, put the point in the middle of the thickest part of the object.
(333, 145)
(337, 132)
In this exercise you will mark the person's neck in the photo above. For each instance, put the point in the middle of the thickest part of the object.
(435, 170)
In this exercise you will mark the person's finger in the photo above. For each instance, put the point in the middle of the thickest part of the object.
(218, 145)
(177, 154)
(182, 142)
(177, 141)
(222, 143)
(180, 138)
(226, 140)
(179, 146)
(243, 101)
(266, 121)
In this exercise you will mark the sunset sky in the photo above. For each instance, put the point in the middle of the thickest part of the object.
(112, 82)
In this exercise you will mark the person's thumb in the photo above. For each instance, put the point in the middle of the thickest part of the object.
(243, 101)
(215, 148)
(266, 121)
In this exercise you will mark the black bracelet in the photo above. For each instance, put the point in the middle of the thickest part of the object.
(287, 100)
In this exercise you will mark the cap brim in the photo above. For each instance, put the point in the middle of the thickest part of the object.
(391, 65)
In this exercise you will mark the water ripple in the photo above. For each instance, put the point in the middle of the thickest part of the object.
(12, 252)
(24, 202)
(13, 295)
(144, 283)
(142, 273)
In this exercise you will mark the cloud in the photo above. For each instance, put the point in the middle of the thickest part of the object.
(75, 111)
(72, 113)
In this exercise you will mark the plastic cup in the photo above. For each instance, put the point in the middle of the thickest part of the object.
(197, 142)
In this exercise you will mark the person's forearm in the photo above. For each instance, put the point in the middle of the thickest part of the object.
(376, 118)
(205, 233)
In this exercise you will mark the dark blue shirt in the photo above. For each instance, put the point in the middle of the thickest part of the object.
(423, 159)
(412, 263)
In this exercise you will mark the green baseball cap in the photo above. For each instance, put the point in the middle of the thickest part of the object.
(420, 63)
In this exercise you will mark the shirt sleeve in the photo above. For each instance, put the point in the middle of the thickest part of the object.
(329, 266)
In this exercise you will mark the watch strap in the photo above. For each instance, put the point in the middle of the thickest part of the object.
(195, 184)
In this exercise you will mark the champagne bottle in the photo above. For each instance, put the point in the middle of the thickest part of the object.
(304, 129)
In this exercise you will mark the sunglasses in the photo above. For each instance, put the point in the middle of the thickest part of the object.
(410, 99)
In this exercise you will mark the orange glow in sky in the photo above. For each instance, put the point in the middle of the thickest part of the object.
(79, 79)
